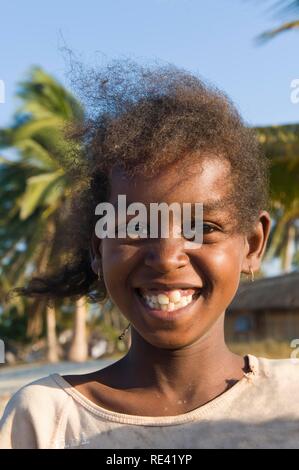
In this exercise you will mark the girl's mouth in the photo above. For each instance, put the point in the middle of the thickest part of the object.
(168, 300)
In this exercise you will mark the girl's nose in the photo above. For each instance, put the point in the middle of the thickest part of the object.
(165, 255)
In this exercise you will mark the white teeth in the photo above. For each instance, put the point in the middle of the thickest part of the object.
(184, 301)
(175, 296)
(168, 303)
(163, 299)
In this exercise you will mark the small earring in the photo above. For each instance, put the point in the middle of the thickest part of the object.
(99, 275)
(252, 274)
(124, 332)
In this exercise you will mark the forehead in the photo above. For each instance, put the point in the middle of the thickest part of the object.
(207, 181)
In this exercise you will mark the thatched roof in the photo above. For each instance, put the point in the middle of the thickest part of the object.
(270, 293)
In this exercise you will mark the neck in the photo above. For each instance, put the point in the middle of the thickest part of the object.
(196, 369)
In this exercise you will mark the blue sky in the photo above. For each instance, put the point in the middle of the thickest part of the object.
(212, 38)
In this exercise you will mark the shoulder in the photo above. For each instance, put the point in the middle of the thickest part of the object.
(281, 370)
(278, 381)
(33, 413)
(42, 392)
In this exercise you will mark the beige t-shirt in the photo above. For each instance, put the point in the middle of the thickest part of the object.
(260, 411)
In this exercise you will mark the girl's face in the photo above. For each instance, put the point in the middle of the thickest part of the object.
(137, 271)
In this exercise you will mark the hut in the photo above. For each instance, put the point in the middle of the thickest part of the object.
(263, 309)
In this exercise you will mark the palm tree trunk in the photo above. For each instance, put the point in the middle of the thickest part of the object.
(289, 249)
(79, 351)
(52, 343)
(51, 335)
(35, 319)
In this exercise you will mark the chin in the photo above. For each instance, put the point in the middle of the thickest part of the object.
(173, 339)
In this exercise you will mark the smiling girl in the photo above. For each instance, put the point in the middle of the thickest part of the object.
(159, 134)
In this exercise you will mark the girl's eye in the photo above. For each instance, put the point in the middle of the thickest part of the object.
(121, 229)
(207, 228)
(209, 232)
(141, 229)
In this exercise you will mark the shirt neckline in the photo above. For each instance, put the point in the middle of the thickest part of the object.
(202, 411)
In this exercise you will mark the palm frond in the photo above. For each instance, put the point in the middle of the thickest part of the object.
(267, 35)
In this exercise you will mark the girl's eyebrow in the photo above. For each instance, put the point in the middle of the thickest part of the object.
(209, 205)
(216, 204)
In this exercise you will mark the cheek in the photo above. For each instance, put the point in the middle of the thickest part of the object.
(225, 262)
(118, 261)
(223, 266)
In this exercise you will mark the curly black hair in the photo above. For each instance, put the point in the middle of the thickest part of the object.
(144, 118)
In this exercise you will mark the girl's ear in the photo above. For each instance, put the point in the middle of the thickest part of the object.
(95, 254)
(256, 243)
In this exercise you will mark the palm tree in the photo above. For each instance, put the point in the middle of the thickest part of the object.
(281, 145)
(78, 350)
(16, 234)
(39, 175)
(283, 8)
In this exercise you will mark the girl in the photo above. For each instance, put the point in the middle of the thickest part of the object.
(159, 134)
